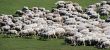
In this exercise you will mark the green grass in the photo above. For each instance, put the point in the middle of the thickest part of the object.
(10, 6)
(34, 44)
(103, 17)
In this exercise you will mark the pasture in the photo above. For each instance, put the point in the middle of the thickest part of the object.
(34, 44)
(10, 6)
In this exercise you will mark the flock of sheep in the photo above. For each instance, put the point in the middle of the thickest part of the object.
(67, 20)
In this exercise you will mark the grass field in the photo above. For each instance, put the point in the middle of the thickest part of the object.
(34, 44)
(10, 6)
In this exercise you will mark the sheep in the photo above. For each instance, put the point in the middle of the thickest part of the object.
(103, 2)
(60, 4)
(85, 16)
(70, 21)
(30, 26)
(25, 8)
(71, 40)
(27, 33)
(88, 39)
(75, 4)
(81, 41)
(79, 9)
(81, 27)
(70, 31)
(50, 22)
(103, 43)
(93, 14)
(47, 33)
(95, 41)
(23, 33)
(92, 6)
(18, 28)
(19, 12)
(57, 25)
(107, 20)
(89, 9)
(106, 44)
(97, 4)
(59, 32)
(34, 8)
(12, 32)
(5, 28)
(58, 19)
(84, 31)
(104, 12)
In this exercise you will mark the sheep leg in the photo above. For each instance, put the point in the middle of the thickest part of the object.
(58, 35)
(74, 43)
(48, 37)
(84, 43)
(55, 36)
(89, 42)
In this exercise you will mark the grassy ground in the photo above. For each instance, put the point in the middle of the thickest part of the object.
(34, 44)
(10, 6)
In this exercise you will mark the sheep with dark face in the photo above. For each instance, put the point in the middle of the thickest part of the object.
(104, 12)
(19, 13)
(60, 4)
(103, 2)
(25, 8)
(93, 14)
